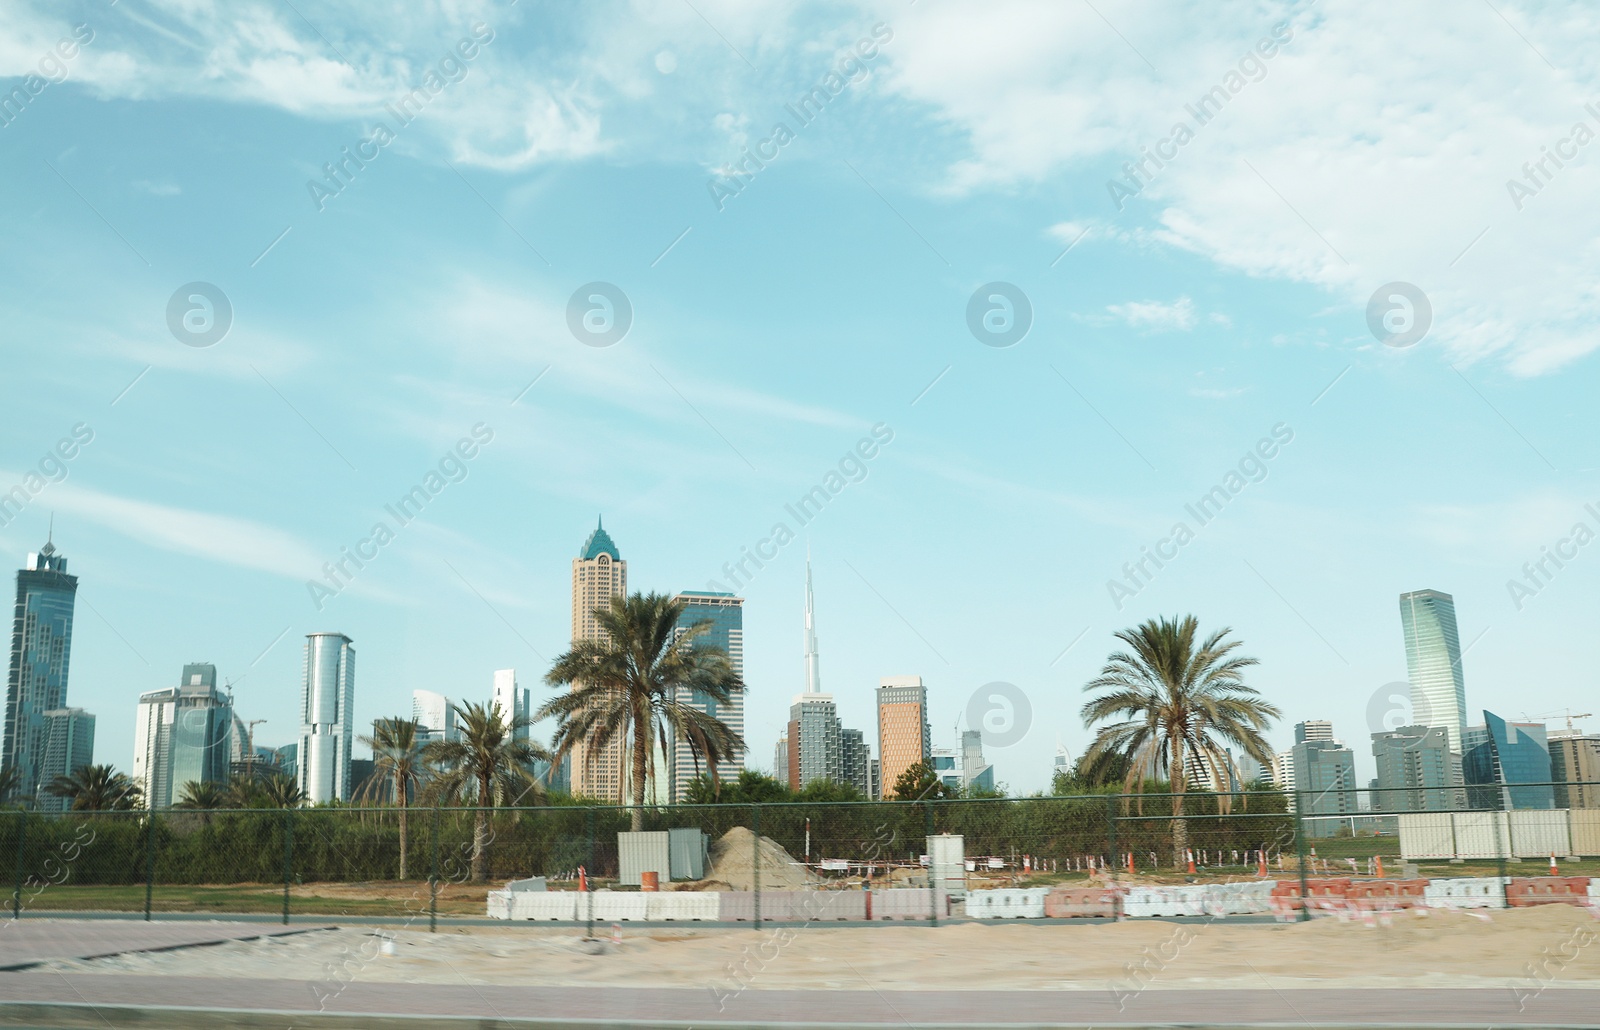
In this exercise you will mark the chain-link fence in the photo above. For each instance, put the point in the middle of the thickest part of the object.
(427, 864)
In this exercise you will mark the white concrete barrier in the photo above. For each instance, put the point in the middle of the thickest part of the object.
(1002, 903)
(499, 904)
(909, 903)
(618, 906)
(668, 906)
(544, 906)
(1466, 892)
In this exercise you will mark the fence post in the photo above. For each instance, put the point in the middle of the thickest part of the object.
(594, 870)
(927, 842)
(1300, 850)
(1111, 854)
(150, 860)
(433, 877)
(1502, 849)
(22, 837)
(755, 864)
(288, 859)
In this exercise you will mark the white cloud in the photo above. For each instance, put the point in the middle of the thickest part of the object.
(223, 538)
(1339, 169)
(1155, 316)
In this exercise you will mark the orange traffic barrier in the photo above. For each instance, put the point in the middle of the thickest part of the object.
(1079, 902)
(1527, 891)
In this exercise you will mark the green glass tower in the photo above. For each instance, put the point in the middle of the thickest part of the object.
(41, 648)
(1433, 662)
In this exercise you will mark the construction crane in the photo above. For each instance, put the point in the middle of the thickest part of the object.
(1569, 713)
(250, 755)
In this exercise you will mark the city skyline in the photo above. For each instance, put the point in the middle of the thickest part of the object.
(599, 541)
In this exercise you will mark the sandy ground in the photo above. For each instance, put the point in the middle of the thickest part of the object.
(1443, 949)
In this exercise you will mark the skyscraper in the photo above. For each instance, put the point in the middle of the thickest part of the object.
(725, 613)
(327, 728)
(816, 739)
(1416, 770)
(904, 738)
(1313, 729)
(598, 575)
(68, 747)
(182, 734)
(435, 714)
(1575, 760)
(780, 758)
(855, 761)
(1433, 661)
(41, 647)
(1514, 753)
(1325, 779)
(514, 701)
(976, 774)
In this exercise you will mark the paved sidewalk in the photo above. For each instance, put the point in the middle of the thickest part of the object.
(118, 1000)
(29, 941)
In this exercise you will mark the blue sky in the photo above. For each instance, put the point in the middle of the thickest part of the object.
(372, 330)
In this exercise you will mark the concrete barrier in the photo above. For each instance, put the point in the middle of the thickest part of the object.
(499, 904)
(1466, 892)
(671, 906)
(909, 903)
(999, 903)
(617, 906)
(545, 906)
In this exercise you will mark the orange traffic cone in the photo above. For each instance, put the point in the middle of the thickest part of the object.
(1380, 867)
(1191, 860)
(1261, 871)
(1130, 863)
(1553, 870)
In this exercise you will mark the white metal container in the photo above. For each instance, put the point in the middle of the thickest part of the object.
(646, 851)
(948, 864)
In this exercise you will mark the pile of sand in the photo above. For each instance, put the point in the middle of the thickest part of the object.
(733, 863)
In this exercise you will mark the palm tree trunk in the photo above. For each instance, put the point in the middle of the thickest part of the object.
(641, 740)
(400, 795)
(480, 833)
(1180, 826)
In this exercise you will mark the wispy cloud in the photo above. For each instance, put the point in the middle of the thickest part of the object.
(1155, 315)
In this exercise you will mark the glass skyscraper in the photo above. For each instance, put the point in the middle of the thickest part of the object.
(725, 613)
(183, 734)
(1514, 753)
(327, 698)
(41, 647)
(1433, 661)
(68, 747)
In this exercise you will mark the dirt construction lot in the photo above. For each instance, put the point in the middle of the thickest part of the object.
(1552, 946)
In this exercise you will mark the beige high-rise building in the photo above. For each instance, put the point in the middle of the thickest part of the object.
(1575, 766)
(904, 738)
(598, 575)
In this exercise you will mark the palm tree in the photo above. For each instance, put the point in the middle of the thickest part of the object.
(397, 768)
(638, 680)
(489, 763)
(97, 788)
(10, 780)
(204, 797)
(1179, 703)
(280, 790)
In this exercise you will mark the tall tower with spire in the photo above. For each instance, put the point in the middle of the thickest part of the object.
(813, 673)
(815, 736)
(598, 575)
(41, 648)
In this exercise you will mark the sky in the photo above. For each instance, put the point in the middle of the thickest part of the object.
(1066, 267)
